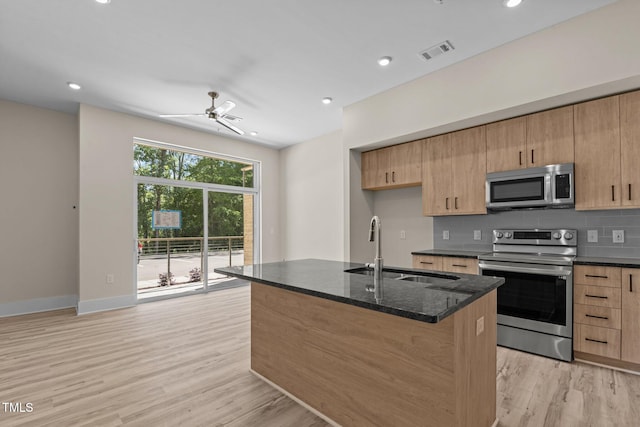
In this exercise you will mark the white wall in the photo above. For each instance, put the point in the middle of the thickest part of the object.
(399, 210)
(38, 222)
(106, 194)
(592, 55)
(311, 179)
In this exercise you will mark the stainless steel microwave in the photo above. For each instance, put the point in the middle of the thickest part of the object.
(544, 187)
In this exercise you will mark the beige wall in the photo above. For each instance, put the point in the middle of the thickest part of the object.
(38, 222)
(107, 198)
(589, 56)
(312, 199)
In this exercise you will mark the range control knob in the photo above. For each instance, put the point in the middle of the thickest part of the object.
(557, 235)
(507, 235)
(499, 234)
(568, 235)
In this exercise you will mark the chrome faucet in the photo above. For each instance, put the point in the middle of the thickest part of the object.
(374, 236)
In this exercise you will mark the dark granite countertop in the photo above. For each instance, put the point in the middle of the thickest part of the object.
(451, 252)
(427, 302)
(610, 262)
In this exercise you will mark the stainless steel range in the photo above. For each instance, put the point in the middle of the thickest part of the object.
(535, 304)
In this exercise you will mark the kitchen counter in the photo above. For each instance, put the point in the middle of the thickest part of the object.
(426, 302)
(451, 252)
(419, 354)
(611, 262)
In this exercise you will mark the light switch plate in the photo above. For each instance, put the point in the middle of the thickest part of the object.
(477, 234)
(592, 236)
(618, 236)
(445, 234)
(403, 234)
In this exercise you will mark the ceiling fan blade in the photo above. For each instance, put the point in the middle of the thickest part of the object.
(224, 108)
(230, 126)
(180, 115)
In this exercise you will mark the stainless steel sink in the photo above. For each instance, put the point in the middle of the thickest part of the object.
(399, 274)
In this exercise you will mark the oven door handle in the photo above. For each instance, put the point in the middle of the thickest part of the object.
(547, 270)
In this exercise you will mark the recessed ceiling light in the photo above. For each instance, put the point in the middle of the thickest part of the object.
(103, 1)
(512, 3)
(327, 100)
(74, 86)
(254, 133)
(384, 61)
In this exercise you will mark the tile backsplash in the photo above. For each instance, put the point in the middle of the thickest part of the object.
(461, 229)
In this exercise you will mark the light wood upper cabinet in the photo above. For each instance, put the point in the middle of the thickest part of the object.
(506, 148)
(453, 173)
(630, 339)
(392, 167)
(534, 140)
(550, 137)
(630, 149)
(607, 149)
(597, 153)
(436, 172)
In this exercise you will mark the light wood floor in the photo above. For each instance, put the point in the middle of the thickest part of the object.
(185, 362)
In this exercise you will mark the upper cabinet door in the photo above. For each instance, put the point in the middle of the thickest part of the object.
(630, 148)
(550, 137)
(469, 170)
(436, 176)
(369, 169)
(597, 153)
(406, 163)
(506, 148)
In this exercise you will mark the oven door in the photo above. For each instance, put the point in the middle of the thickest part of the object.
(536, 297)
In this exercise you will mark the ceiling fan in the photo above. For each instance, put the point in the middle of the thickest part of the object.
(219, 114)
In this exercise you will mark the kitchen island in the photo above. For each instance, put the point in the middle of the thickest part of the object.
(411, 352)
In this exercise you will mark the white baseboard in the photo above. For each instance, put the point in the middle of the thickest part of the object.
(105, 304)
(37, 305)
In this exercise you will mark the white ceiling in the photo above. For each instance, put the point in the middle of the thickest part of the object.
(276, 59)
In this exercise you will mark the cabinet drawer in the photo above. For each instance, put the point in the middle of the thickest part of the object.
(597, 295)
(595, 340)
(460, 265)
(594, 275)
(604, 317)
(427, 262)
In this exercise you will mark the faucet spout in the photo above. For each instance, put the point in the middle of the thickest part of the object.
(374, 236)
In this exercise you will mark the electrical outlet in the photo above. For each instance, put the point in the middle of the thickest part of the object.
(480, 326)
(445, 234)
(403, 234)
(592, 236)
(618, 236)
(477, 234)
(110, 279)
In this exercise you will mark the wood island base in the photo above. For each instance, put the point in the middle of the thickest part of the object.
(357, 366)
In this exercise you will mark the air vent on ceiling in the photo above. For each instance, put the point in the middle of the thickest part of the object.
(436, 50)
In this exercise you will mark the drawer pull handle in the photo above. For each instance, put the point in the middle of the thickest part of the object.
(597, 317)
(446, 203)
(631, 283)
(613, 193)
(629, 191)
(393, 176)
(595, 296)
(456, 202)
(532, 161)
(520, 157)
(459, 265)
(601, 342)
(426, 262)
(596, 276)
(386, 177)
